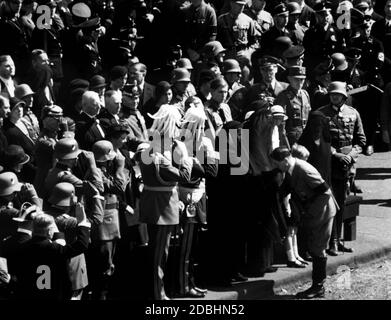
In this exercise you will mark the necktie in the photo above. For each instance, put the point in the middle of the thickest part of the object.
(222, 115)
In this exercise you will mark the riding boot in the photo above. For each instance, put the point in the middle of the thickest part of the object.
(317, 290)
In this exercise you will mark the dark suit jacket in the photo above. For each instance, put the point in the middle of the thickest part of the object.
(87, 132)
(41, 251)
(106, 120)
(16, 136)
(259, 88)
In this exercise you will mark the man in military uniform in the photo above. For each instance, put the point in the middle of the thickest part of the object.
(89, 60)
(236, 31)
(294, 56)
(263, 19)
(280, 15)
(296, 30)
(73, 166)
(296, 102)
(269, 88)
(180, 82)
(111, 166)
(200, 27)
(322, 39)
(347, 141)
(318, 90)
(236, 91)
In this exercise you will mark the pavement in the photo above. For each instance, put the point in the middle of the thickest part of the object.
(373, 238)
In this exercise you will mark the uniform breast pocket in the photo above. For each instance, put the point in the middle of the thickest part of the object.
(349, 125)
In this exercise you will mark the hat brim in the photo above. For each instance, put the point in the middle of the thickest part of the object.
(233, 71)
(108, 157)
(99, 86)
(286, 13)
(72, 155)
(25, 159)
(278, 114)
(60, 202)
(339, 92)
(298, 76)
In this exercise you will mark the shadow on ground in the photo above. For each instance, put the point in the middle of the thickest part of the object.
(373, 173)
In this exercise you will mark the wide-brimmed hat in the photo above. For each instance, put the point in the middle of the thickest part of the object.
(277, 111)
(14, 155)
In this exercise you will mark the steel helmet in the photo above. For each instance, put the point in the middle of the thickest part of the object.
(66, 149)
(9, 183)
(180, 74)
(231, 65)
(184, 63)
(294, 8)
(103, 151)
(62, 194)
(213, 48)
(338, 87)
(23, 90)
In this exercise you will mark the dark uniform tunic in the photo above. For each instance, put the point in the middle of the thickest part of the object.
(347, 136)
(236, 34)
(297, 108)
(200, 26)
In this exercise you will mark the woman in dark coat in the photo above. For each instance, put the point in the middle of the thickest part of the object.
(316, 138)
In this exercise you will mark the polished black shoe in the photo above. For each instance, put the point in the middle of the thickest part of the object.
(369, 151)
(239, 277)
(201, 290)
(312, 292)
(193, 293)
(332, 252)
(270, 269)
(295, 264)
(342, 248)
(306, 256)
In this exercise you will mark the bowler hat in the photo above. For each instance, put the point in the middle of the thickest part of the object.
(97, 81)
(9, 183)
(297, 72)
(78, 83)
(14, 155)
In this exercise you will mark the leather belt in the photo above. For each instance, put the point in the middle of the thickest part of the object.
(160, 188)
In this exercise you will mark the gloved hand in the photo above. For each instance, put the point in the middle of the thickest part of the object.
(89, 157)
(344, 158)
(29, 191)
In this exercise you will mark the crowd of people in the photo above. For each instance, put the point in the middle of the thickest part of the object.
(125, 126)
